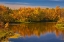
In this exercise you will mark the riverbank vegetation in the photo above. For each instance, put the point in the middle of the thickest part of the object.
(30, 14)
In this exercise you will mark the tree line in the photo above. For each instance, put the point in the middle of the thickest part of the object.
(30, 14)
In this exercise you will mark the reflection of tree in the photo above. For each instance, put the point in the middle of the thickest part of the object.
(36, 29)
(61, 31)
(29, 29)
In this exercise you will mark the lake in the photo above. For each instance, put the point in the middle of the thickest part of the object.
(32, 32)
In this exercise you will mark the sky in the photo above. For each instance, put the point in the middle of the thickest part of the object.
(14, 4)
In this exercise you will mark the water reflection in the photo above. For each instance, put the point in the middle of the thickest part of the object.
(34, 32)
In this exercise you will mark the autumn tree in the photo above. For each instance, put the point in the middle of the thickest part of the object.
(58, 12)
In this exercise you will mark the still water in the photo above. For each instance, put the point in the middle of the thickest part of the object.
(32, 32)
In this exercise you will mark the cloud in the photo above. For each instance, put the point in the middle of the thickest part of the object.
(56, 0)
(14, 3)
(17, 5)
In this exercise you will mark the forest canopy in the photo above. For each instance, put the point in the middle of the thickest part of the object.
(30, 14)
